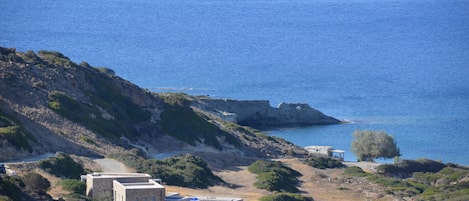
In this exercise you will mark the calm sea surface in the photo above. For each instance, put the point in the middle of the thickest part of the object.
(401, 66)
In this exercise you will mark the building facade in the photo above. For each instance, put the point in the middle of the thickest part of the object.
(141, 191)
(101, 185)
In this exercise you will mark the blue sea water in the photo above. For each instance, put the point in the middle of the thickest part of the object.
(401, 66)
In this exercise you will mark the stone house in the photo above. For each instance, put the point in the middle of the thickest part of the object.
(123, 187)
(141, 191)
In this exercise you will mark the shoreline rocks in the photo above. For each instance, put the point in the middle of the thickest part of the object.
(259, 114)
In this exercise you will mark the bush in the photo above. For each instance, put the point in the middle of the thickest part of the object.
(429, 180)
(274, 176)
(12, 130)
(355, 171)
(407, 167)
(123, 111)
(285, 197)
(10, 189)
(186, 171)
(36, 183)
(56, 58)
(369, 145)
(324, 162)
(62, 165)
(74, 186)
(180, 121)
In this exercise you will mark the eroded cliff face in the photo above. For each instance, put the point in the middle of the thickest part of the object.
(259, 113)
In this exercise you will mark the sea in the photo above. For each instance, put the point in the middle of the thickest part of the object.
(399, 66)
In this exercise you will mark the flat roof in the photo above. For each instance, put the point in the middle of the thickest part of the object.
(117, 175)
(141, 185)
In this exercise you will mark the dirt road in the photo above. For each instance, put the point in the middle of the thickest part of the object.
(111, 165)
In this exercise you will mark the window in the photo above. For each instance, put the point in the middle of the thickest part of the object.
(153, 198)
(144, 198)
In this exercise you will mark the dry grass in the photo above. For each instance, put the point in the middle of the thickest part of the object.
(322, 185)
(239, 185)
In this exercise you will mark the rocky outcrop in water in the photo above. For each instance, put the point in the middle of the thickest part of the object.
(259, 113)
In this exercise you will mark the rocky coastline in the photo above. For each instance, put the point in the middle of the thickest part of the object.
(261, 115)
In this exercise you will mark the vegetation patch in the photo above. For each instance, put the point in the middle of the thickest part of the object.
(355, 172)
(180, 121)
(56, 58)
(369, 145)
(186, 171)
(323, 162)
(13, 131)
(274, 176)
(91, 116)
(285, 197)
(10, 188)
(428, 180)
(36, 183)
(73, 186)
(406, 168)
(62, 165)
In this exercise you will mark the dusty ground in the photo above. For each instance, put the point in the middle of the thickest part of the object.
(322, 185)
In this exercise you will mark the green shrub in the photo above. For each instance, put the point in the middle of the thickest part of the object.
(180, 121)
(270, 181)
(323, 162)
(12, 130)
(355, 171)
(36, 183)
(9, 187)
(56, 58)
(62, 165)
(274, 176)
(74, 186)
(124, 113)
(430, 180)
(407, 167)
(31, 57)
(285, 197)
(87, 140)
(186, 171)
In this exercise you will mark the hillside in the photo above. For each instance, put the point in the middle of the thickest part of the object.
(49, 103)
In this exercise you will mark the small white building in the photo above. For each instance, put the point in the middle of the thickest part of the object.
(326, 151)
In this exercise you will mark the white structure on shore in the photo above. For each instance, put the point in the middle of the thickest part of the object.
(327, 151)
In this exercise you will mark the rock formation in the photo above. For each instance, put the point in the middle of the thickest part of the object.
(259, 113)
